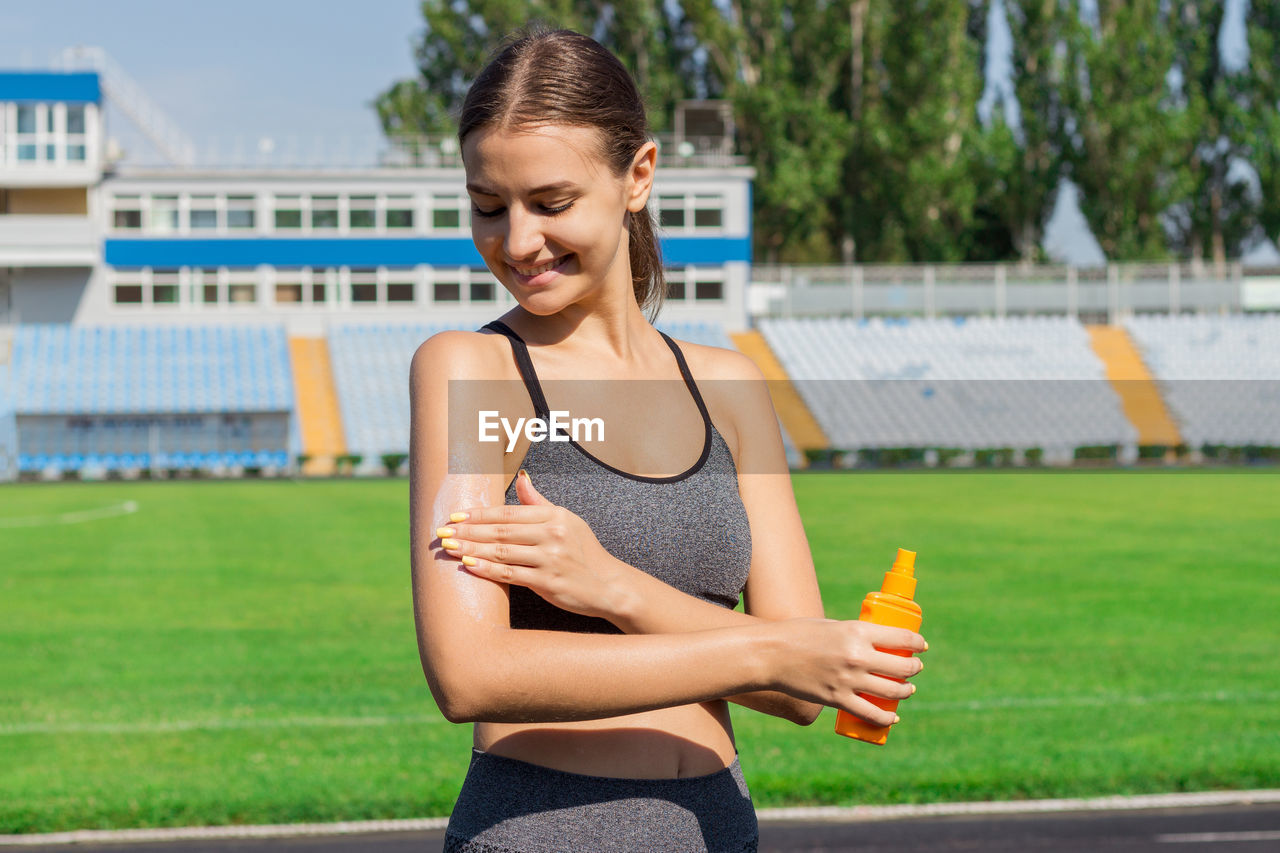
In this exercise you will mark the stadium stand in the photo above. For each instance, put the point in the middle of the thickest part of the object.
(151, 397)
(975, 383)
(1220, 375)
(371, 375)
(8, 429)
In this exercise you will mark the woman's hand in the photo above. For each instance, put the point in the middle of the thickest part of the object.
(541, 546)
(830, 662)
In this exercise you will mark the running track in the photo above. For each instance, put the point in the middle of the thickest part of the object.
(1223, 829)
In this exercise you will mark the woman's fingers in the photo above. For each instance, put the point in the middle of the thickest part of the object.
(885, 637)
(503, 514)
(873, 714)
(886, 688)
(500, 572)
(894, 666)
(497, 552)
(514, 534)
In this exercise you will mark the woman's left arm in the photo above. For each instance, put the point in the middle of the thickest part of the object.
(554, 552)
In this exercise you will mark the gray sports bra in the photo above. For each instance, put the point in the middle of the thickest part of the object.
(710, 554)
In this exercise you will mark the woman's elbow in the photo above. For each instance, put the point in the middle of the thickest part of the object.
(808, 714)
(457, 701)
(456, 692)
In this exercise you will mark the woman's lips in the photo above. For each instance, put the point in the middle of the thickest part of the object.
(540, 274)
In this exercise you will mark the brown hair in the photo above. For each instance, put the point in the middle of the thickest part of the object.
(563, 77)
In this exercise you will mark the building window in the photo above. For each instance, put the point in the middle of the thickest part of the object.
(364, 213)
(708, 212)
(446, 291)
(26, 140)
(399, 213)
(164, 214)
(708, 290)
(324, 212)
(164, 288)
(126, 214)
(400, 291)
(446, 212)
(671, 211)
(482, 291)
(288, 293)
(128, 294)
(288, 212)
(204, 213)
(75, 118)
(242, 293)
(241, 213)
(364, 287)
(204, 286)
(675, 284)
(320, 289)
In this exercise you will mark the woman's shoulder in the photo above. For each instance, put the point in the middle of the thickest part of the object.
(715, 363)
(463, 354)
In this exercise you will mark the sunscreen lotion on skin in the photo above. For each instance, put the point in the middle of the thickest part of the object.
(894, 605)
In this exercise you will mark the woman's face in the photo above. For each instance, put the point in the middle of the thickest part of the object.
(549, 217)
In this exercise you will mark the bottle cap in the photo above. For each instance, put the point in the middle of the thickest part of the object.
(900, 580)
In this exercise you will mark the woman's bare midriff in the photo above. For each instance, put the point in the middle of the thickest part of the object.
(668, 743)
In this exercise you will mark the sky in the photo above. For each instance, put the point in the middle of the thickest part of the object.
(303, 74)
(301, 69)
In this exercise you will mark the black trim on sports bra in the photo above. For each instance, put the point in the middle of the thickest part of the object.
(530, 377)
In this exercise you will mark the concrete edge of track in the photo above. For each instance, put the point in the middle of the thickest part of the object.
(779, 815)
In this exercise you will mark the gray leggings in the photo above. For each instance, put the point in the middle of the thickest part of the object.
(511, 806)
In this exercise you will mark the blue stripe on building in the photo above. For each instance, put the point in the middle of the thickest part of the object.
(365, 251)
(74, 87)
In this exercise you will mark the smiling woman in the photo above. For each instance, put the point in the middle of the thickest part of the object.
(587, 626)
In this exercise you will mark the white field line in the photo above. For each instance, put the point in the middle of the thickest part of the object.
(1108, 700)
(1219, 837)
(1086, 804)
(232, 723)
(76, 517)
(824, 813)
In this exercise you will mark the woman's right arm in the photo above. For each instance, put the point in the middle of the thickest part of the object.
(478, 668)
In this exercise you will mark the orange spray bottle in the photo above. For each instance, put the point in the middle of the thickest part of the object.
(894, 605)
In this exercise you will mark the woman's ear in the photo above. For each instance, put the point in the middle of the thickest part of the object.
(640, 178)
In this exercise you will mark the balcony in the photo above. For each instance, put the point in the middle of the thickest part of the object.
(48, 241)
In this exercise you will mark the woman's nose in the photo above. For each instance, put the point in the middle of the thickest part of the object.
(524, 238)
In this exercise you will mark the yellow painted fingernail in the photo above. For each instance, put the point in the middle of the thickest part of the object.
(451, 544)
(896, 718)
(470, 561)
(455, 517)
(525, 474)
(444, 532)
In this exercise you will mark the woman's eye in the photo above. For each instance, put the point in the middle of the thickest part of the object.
(478, 211)
(552, 211)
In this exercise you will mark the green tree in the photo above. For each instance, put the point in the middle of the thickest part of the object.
(459, 37)
(1264, 124)
(782, 73)
(1219, 210)
(1020, 168)
(1133, 140)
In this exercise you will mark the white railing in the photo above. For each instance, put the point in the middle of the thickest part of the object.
(1111, 292)
(295, 152)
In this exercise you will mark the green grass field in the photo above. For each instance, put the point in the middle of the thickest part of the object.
(243, 652)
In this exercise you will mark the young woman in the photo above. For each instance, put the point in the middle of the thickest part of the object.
(574, 601)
